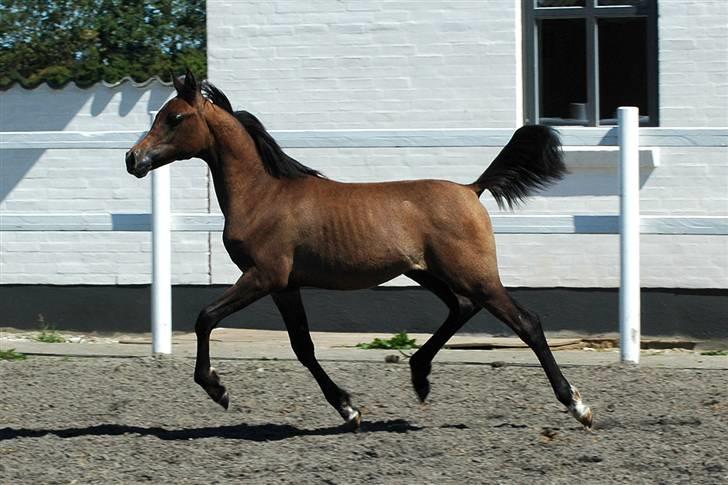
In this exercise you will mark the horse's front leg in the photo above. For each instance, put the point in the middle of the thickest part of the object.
(291, 307)
(248, 289)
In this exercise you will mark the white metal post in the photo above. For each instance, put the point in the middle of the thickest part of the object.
(629, 291)
(161, 267)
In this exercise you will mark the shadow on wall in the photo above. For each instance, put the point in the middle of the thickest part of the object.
(123, 107)
(594, 171)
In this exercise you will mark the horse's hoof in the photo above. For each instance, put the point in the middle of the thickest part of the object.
(423, 391)
(224, 400)
(587, 419)
(353, 420)
(579, 410)
(420, 381)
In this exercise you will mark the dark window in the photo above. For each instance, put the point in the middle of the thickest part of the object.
(561, 3)
(563, 68)
(585, 58)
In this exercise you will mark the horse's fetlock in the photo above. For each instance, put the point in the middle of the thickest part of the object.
(345, 399)
(419, 366)
(206, 377)
(199, 378)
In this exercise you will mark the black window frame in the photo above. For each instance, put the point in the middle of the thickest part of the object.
(591, 12)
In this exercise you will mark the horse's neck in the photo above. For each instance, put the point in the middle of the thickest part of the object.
(237, 171)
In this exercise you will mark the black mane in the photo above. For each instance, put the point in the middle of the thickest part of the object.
(275, 161)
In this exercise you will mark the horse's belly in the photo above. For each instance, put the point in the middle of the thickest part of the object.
(347, 275)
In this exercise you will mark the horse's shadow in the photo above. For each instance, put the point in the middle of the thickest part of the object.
(257, 432)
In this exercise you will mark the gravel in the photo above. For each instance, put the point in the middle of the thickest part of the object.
(105, 420)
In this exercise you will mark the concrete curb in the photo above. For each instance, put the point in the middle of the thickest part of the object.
(237, 344)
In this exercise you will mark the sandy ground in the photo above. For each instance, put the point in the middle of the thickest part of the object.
(142, 419)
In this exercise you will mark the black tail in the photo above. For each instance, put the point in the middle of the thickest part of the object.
(531, 160)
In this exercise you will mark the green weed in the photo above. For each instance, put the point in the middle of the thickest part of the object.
(723, 352)
(399, 341)
(11, 354)
(48, 334)
(50, 337)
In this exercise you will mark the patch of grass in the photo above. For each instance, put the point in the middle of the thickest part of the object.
(11, 354)
(723, 352)
(48, 334)
(399, 341)
(50, 337)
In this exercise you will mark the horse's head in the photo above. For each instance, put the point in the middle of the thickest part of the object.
(179, 131)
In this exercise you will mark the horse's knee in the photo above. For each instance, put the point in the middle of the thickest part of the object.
(205, 321)
(465, 306)
(530, 323)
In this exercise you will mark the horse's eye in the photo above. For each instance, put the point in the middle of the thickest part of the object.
(174, 119)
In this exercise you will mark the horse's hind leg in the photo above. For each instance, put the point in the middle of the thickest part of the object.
(244, 292)
(461, 310)
(291, 307)
(528, 327)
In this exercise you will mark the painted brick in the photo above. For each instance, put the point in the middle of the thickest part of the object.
(90, 181)
(325, 64)
(693, 39)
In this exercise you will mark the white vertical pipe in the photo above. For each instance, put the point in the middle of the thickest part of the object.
(629, 291)
(161, 264)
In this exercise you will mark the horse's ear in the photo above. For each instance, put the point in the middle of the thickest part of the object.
(187, 88)
(190, 81)
(175, 81)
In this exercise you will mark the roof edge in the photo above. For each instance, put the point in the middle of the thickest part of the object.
(120, 82)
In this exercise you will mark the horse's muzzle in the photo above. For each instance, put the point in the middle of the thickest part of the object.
(137, 169)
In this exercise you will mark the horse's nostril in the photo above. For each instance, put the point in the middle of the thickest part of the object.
(130, 160)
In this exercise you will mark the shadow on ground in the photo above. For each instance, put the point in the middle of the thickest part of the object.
(259, 432)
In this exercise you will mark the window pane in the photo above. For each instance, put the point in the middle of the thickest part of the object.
(622, 66)
(560, 3)
(563, 71)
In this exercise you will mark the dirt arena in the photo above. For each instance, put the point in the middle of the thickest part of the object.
(130, 420)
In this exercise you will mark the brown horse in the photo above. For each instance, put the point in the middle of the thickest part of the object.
(288, 227)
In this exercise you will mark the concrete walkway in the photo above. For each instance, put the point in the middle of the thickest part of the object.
(331, 346)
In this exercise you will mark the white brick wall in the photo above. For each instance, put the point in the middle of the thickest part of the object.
(373, 64)
(327, 64)
(693, 61)
(46, 181)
